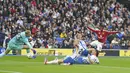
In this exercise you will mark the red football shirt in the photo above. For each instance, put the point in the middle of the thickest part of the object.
(102, 35)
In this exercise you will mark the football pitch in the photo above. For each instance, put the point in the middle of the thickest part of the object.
(21, 64)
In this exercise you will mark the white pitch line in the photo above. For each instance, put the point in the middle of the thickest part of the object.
(9, 71)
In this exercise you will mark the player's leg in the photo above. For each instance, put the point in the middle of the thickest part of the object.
(66, 61)
(69, 60)
(7, 51)
(28, 49)
(93, 43)
(55, 61)
(99, 46)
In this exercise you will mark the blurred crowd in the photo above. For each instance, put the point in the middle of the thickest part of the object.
(54, 23)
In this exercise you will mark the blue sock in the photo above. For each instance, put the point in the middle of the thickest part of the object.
(2, 54)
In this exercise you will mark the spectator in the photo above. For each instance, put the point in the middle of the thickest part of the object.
(124, 43)
(63, 35)
(20, 22)
(65, 44)
(34, 30)
(115, 43)
(2, 37)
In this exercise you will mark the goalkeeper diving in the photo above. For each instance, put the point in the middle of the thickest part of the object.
(17, 43)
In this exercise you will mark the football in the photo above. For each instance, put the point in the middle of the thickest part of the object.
(29, 55)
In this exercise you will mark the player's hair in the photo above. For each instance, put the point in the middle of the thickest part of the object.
(28, 32)
(79, 32)
(101, 25)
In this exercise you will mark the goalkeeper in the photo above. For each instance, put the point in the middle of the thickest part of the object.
(18, 42)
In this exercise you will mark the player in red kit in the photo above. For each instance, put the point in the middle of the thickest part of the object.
(102, 34)
(102, 37)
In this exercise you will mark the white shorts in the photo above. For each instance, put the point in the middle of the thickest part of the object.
(97, 44)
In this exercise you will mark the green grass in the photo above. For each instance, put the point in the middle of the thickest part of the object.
(21, 64)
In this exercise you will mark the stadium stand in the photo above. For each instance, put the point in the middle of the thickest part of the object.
(54, 23)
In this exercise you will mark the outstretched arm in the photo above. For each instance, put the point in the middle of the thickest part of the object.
(29, 45)
(113, 32)
(91, 29)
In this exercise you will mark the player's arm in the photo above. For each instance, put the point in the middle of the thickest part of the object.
(76, 49)
(76, 46)
(113, 32)
(92, 29)
(29, 45)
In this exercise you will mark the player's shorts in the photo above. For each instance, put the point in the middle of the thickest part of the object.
(68, 60)
(97, 45)
(80, 60)
(85, 53)
(12, 46)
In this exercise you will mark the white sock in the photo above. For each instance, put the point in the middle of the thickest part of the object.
(2, 54)
(65, 64)
(53, 62)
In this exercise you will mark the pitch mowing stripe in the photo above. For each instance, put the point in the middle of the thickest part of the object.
(102, 66)
(6, 71)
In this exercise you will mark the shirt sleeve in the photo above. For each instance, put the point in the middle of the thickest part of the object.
(27, 43)
(112, 32)
(92, 29)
